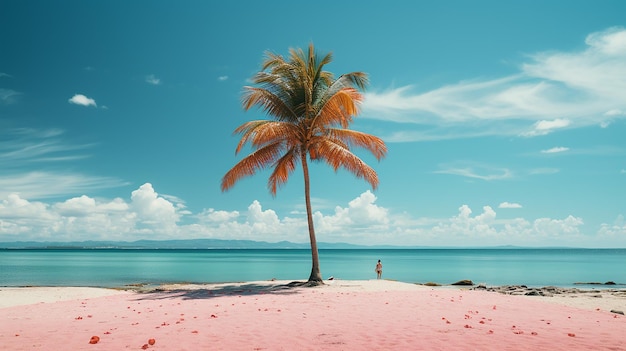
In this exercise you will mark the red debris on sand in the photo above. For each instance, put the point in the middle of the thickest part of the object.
(145, 346)
(151, 341)
(94, 339)
(571, 335)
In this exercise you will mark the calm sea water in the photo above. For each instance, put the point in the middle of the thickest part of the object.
(112, 267)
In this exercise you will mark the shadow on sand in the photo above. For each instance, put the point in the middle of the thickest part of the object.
(194, 292)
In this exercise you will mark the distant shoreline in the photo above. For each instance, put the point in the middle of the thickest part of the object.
(514, 289)
(219, 244)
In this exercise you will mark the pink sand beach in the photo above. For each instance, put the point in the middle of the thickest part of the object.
(341, 315)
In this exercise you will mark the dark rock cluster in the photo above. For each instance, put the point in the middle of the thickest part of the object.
(524, 290)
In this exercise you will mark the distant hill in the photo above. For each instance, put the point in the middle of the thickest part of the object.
(175, 244)
(220, 244)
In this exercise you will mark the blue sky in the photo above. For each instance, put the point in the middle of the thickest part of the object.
(505, 121)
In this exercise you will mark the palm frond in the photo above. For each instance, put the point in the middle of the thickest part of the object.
(338, 156)
(282, 170)
(358, 79)
(272, 60)
(260, 159)
(338, 109)
(264, 132)
(271, 103)
(274, 132)
(369, 142)
(247, 131)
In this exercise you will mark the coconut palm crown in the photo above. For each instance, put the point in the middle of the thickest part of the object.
(311, 112)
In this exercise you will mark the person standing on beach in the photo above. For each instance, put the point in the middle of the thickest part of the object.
(379, 270)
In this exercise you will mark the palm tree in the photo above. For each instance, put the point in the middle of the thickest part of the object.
(311, 112)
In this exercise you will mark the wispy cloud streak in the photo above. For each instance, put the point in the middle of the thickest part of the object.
(552, 91)
(30, 160)
(8, 96)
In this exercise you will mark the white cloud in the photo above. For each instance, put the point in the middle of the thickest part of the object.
(462, 227)
(48, 184)
(546, 127)
(476, 171)
(78, 206)
(551, 91)
(152, 208)
(16, 207)
(597, 69)
(258, 217)
(361, 215)
(80, 99)
(151, 79)
(364, 210)
(147, 214)
(615, 112)
(36, 146)
(509, 205)
(549, 226)
(555, 150)
(222, 78)
(485, 229)
(45, 151)
(212, 215)
(84, 206)
(613, 232)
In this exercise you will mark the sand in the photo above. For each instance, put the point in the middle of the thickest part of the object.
(341, 315)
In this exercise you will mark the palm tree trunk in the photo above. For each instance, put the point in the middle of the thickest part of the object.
(316, 276)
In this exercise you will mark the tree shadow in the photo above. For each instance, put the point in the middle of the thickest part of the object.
(195, 292)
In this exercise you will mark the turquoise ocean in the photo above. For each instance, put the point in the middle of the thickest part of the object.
(493, 267)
